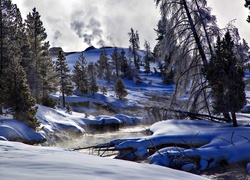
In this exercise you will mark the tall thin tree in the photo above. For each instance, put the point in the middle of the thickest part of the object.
(66, 86)
(134, 46)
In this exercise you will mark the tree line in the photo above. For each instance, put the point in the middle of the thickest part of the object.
(28, 75)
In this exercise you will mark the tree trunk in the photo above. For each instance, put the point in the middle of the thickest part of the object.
(204, 28)
(234, 119)
(63, 99)
(196, 37)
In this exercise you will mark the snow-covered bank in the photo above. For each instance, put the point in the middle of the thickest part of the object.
(13, 130)
(190, 145)
(19, 161)
(60, 125)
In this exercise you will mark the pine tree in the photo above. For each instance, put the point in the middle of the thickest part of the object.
(247, 5)
(80, 76)
(225, 75)
(38, 64)
(124, 63)
(134, 46)
(115, 57)
(147, 56)
(48, 75)
(104, 68)
(16, 95)
(92, 70)
(10, 26)
(63, 71)
(120, 89)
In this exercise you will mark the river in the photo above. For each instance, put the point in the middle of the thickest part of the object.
(237, 172)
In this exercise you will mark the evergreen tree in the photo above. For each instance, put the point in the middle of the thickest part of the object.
(225, 75)
(120, 89)
(16, 95)
(92, 70)
(115, 56)
(38, 64)
(247, 5)
(134, 46)
(48, 75)
(80, 77)
(10, 26)
(124, 63)
(147, 57)
(104, 68)
(63, 71)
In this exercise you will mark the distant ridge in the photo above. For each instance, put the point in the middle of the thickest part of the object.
(89, 48)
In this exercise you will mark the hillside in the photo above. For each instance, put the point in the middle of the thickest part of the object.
(148, 93)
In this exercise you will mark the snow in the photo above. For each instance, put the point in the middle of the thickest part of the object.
(20, 161)
(14, 130)
(212, 142)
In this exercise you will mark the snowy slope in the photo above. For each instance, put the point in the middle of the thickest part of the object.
(19, 161)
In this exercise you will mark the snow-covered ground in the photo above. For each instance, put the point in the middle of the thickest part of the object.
(20, 161)
(209, 143)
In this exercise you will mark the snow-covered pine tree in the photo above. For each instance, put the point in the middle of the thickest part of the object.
(147, 57)
(134, 46)
(104, 68)
(120, 89)
(92, 70)
(225, 75)
(63, 71)
(38, 61)
(247, 5)
(16, 95)
(80, 76)
(124, 63)
(115, 57)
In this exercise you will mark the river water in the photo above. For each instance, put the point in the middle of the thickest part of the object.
(237, 172)
(88, 140)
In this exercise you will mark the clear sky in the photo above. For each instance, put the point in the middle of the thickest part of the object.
(76, 24)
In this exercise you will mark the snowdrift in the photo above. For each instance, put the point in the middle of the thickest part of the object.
(189, 145)
(13, 130)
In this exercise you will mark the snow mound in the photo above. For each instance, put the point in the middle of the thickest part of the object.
(20, 161)
(14, 130)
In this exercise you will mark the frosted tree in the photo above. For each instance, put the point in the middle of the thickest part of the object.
(185, 45)
(115, 57)
(147, 56)
(134, 46)
(80, 76)
(247, 5)
(65, 81)
(120, 89)
(92, 70)
(124, 63)
(104, 68)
